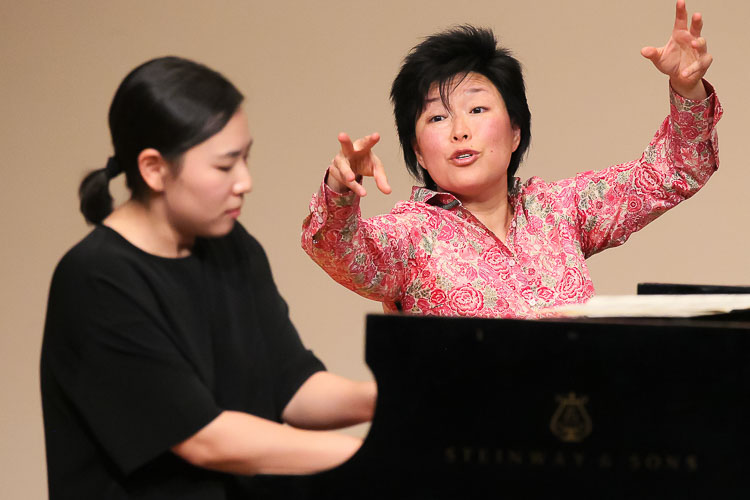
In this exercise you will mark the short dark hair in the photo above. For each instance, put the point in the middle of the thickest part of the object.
(170, 104)
(441, 59)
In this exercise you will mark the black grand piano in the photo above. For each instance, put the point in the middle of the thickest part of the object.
(511, 409)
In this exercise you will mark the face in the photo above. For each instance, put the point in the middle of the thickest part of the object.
(467, 148)
(204, 196)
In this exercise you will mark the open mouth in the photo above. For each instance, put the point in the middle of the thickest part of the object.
(464, 157)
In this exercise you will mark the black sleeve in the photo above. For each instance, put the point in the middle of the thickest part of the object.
(111, 354)
(291, 362)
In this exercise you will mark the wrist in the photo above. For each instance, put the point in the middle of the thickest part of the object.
(336, 185)
(367, 397)
(696, 92)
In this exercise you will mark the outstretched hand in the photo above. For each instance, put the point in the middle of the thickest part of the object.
(684, 58)
(355, 160)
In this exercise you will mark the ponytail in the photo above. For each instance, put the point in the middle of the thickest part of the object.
(96, 202)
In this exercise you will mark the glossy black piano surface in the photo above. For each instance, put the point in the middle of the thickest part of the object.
(689, 289)
(472, 408)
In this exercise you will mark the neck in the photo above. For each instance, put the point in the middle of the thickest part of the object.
(146, 226)
(493, 211)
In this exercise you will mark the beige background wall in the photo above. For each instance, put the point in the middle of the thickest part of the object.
(310, 70)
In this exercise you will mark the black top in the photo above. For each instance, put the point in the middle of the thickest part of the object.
(140, 352)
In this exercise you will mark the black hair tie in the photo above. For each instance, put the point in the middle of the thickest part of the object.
(113, 168)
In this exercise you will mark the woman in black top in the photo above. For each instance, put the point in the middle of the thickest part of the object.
(169, 360)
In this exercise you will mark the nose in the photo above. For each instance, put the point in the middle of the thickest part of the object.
(243, 183)
(460, 129)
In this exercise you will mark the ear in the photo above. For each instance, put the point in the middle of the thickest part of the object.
(153, 168)
(516, 137)
(417, 153)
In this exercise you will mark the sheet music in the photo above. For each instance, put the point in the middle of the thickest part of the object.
(669, 306)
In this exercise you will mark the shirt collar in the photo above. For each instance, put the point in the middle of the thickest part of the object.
(448, 201)
(436, 198)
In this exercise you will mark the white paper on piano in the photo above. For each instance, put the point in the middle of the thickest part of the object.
(662, 306)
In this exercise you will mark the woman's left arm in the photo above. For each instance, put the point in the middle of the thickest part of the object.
(614, 203)
(328, 401)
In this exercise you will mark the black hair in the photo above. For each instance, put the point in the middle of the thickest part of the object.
(169, 104)
(445, 59)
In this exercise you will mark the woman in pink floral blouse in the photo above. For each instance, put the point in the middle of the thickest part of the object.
(475, 240)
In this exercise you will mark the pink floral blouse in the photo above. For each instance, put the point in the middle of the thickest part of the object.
(431, 256)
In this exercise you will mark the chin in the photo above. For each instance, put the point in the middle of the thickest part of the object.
(218, 230)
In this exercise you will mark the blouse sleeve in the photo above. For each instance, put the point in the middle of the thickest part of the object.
(368, 256)
(614, 203)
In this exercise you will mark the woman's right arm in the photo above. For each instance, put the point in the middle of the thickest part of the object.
(366, 256)
(240, 443)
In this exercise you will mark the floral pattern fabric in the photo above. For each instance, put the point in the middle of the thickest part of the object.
(431, 256)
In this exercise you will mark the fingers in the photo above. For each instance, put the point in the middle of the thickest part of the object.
(700, 45)
(360, 146)
(696, 25)
(651, 53)
(344, 176)
(702, 62)
(681, 16)
(378, 172)
(347, 148)
(343, 168)
(366, 143)
(355, 160)
(699, 67)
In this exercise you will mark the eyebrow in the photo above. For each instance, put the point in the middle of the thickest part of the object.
(470, 90)
(236, 153)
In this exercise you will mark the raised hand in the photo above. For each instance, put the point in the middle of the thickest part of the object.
(684, 58)
(354, 161)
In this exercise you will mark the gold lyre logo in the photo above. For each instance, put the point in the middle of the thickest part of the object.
(571, 422)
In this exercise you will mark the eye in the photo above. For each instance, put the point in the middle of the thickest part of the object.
(224, 168)
(436, 118)
(478, 109)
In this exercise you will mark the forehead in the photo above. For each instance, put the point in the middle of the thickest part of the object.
(471, 83)
(235, 132)
(233, 140)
